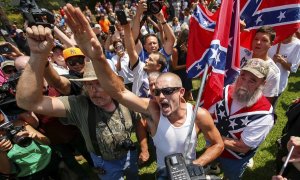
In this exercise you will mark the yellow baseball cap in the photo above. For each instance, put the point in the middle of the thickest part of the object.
(71, 52)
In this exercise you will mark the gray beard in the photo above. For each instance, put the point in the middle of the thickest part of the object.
(247, 99)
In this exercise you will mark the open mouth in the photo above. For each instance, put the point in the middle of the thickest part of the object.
(242, 91)
(164, 105)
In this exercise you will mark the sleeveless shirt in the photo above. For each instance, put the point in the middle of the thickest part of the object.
(170, 139)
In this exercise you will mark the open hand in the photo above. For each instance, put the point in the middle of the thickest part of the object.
(83, 33)
(160, 16)
(142, 7)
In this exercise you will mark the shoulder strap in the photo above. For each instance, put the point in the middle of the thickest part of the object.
(92, 127)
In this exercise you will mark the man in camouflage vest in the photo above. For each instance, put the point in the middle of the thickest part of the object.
(104, 124)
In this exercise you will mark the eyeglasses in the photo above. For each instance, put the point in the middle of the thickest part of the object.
(9, 71)
(72, 61)
(165, 91)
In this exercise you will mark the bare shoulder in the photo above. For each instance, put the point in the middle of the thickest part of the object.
(203, 118)
(202, 113)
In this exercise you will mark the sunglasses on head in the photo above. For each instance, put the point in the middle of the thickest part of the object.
(74, 60)
(9, 71)
(165, 91)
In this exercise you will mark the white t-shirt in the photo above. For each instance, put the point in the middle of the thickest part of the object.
(185, 4)
(290, 51)
(256, 131)
(187, 19)
(140, 85)
(60, 70)
(125, 72)
(112, 66)
(176, 28)
(271, 88)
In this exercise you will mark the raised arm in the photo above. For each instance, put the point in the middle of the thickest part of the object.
(63, 38)
(129, 45)
(136, 26)
(30, 86)
(60, 83)
(155, 25)
(168, 33)
(205, 123)
(91, 47)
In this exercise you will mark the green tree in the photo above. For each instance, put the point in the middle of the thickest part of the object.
(4, 7)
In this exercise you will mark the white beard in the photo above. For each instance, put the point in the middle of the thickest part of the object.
(246, 98)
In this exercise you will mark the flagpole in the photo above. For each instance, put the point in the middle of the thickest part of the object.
(200, 92)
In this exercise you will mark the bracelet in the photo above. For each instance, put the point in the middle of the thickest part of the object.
(162, 23)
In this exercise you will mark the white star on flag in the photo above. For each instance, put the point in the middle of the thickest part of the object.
(245, 121)
(232, 124)
(220, 104)
(221, 114)
(281, 16)
(198, 66)
(218, 58)
(214, 53)
(258, 19)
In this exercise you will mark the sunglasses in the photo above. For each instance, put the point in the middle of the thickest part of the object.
(74, 60)
(165, 91)
(9, 71)
(120, 47)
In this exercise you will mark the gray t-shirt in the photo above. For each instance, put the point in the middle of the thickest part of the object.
(110, 129)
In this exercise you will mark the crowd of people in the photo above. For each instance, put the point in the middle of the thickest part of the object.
(80, 89)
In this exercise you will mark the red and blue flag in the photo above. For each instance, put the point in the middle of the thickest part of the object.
(208, 43)
(211, 45)
(282, 15)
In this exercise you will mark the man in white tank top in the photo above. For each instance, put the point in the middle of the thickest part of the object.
(170, 119)
(168, 110)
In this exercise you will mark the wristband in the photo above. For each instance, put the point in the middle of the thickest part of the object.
(162, 23)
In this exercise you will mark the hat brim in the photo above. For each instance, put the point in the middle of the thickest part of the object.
(92, 79)
(85, 79)
(254, 72)
(7, 63)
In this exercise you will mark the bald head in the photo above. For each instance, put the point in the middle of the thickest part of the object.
(173, 80)
(21, 62)
(153, 75)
